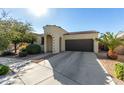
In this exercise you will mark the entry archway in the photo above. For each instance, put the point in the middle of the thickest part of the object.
(49, 40)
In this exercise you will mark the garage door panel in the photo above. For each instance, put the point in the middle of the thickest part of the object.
(79, 45)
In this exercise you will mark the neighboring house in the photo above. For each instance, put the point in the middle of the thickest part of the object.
(40, 39)
(56, 39)
(120, 49)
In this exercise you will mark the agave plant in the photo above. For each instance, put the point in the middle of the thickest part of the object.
(112, 41)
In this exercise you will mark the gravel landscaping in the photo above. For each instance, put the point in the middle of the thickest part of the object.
(110, 64)
(16, 65)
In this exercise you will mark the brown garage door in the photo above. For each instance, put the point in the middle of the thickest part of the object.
(79, 45)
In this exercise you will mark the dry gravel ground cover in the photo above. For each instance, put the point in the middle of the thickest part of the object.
(109, 65)
(29, 57)
(16, 64)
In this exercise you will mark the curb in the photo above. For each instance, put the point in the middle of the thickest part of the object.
(110, 81)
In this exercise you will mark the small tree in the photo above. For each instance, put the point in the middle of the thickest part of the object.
(29, 38)
(4, 42)
(15, 38)
(17, 33)
(4, 28)
(14, 31)
(112, 41)
(21, 27)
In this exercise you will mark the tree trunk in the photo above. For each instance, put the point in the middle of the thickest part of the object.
(112, 54)
(15, 47)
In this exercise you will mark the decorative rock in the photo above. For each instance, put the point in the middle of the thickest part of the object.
(4, 79)
(11, 77)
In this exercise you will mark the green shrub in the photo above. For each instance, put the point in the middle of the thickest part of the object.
(4, 69)
(33, 49)
(23, 50)
(7, 53)
(23, 54)
(119, 71)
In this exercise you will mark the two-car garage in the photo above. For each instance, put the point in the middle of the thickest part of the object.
(85, 45)
(81, 41)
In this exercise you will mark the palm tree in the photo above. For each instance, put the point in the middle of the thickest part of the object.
(112, 41)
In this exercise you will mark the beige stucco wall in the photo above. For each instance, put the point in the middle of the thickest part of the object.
(56, 32)
(84, 36)
(38, 40)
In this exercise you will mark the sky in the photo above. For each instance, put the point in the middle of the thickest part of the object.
(72, 19)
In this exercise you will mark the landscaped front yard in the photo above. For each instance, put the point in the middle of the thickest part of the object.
(17, 64)
(109, 65)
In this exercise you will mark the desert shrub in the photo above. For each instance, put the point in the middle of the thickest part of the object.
(33, 49)
(7, 53)
(4, 69)
(119, 71)
(23, 50)
(23, 54)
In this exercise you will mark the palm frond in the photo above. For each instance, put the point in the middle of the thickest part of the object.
(110, 40)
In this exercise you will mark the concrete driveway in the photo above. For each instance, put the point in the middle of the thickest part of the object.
(68, 68)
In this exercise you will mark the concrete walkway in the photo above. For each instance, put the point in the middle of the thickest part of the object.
(67, 68)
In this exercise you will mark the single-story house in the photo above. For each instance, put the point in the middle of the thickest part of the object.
(56, 39)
